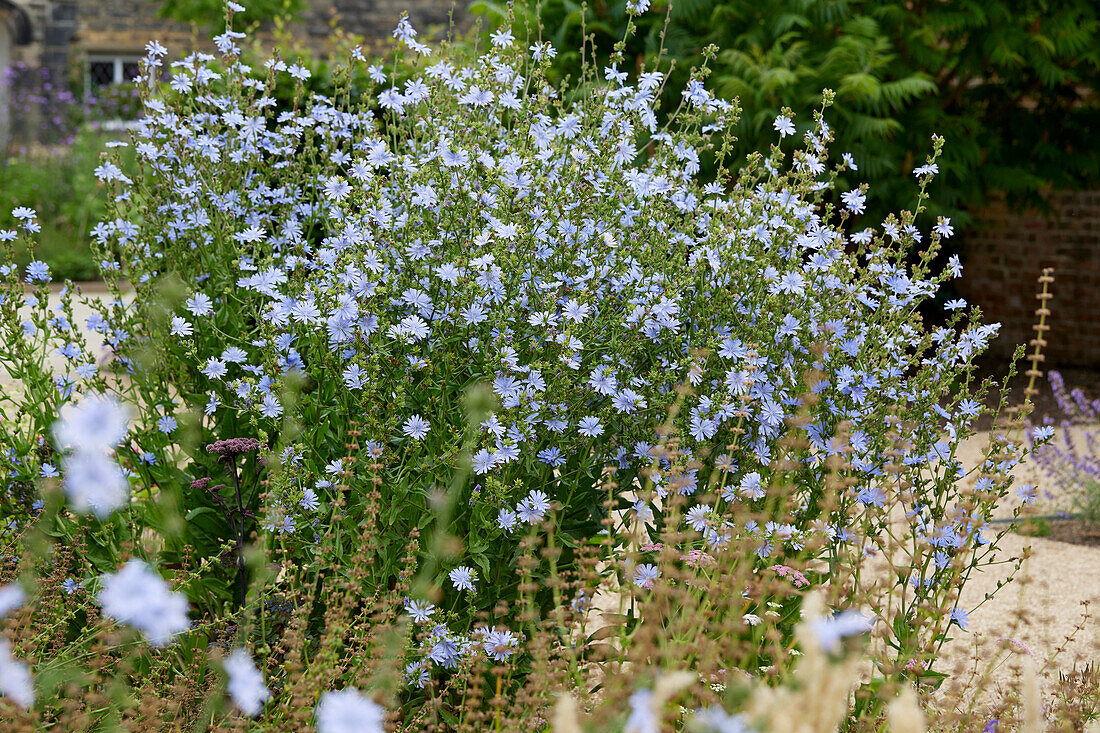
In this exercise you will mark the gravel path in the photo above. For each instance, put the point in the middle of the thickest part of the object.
(1042, 605)
(81, 312)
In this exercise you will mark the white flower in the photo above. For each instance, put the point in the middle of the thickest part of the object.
(500, 644)
(854, 201)
(533, 508)
(138, 596)
(482, 461)
(419, 611)
(646, 575)
(97, 423)
(15, 678)
(309, 499)
(590, 427)
(943, 227)
(348, 711)
(200, 304)
(506, 520)
(246, 683)
(180, 326)
(11, 598)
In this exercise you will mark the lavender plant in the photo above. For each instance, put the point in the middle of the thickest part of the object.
(45, 110)
(500, 349)
(1071, 459)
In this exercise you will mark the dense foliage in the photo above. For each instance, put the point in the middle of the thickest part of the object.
(1012, 86)
(396, 385)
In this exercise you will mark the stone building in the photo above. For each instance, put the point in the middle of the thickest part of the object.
(99, 42)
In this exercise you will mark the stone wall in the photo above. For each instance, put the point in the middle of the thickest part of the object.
(1003, 254)
(118, 26)
(124, 27)
(373, 19)
(53, 26)
(66, 31)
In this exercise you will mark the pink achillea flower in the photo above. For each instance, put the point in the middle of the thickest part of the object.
(233, 447)
(795, 577)
(1017, 644)
(651, 547)
(698, 559)
(916, 665)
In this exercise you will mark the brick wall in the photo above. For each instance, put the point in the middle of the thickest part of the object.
(1003, 254)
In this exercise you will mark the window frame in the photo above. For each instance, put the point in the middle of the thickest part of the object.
(118, 61)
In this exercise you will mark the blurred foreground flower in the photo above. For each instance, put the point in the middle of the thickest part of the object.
(93, 481)
(348, 711)
(98, 423)
(11, 598)
(15, 678)
(246, 683)
(138, 596)
(829, 631)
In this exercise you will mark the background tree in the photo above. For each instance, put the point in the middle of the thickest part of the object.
(1011, 84)
(210, 14)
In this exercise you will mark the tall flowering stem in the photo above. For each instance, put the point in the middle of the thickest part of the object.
(1040, 328)
(228, 451)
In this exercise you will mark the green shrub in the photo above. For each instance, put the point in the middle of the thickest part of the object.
(1012, 86)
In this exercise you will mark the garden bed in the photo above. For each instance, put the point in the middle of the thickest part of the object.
(383, 433)
(1069, 531)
